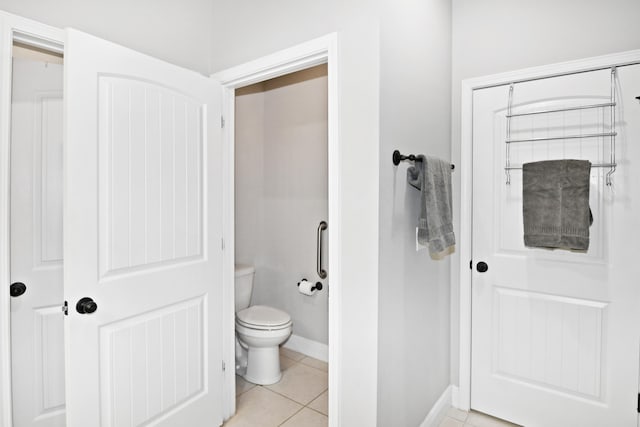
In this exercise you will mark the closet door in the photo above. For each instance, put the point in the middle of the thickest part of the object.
(37, 336)
(142, 240)
(555, 333)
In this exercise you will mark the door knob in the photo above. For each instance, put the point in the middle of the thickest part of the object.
(16, 289)
(482, 267)
(86, 306)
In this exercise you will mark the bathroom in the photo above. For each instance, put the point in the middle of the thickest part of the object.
(281, 208)
(400, 68)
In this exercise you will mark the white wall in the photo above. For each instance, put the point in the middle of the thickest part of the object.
(176, 31)
(494, 36)
(266, 27)
(413, 357)
(249, 170)
(281, 192)
(410, 333)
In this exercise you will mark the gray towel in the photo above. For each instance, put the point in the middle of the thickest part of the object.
(433, 178)
(555, 204)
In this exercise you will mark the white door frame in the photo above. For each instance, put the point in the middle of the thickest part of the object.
(30, 32)
(463, 400)
(318, 51)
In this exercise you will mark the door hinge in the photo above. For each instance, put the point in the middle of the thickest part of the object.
(224, 366)
(470, 264)
(639, 403)
(65, 308)
(222, 121)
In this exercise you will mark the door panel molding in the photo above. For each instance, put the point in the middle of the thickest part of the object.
(150, 226)
(173, 378)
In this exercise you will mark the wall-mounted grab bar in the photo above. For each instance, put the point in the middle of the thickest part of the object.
(322, 273)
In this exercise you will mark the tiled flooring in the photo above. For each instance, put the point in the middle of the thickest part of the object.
(458, 418)
(300, 399)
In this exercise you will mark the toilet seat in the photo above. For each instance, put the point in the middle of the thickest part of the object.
(263, 318)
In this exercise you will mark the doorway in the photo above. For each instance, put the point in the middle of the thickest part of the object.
(301, 57)
(281, 204)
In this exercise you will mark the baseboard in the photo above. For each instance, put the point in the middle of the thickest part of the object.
(439, 410)
(308, 347)
(455, 396)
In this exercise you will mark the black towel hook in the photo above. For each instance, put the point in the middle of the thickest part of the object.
(397, 158)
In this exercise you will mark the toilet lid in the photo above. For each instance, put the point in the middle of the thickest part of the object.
(262, 315)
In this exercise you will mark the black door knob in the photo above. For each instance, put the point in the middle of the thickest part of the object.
(482, 267)
(86, 306)
(16, 289)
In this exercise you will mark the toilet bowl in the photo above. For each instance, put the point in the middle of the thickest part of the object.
(260, 330)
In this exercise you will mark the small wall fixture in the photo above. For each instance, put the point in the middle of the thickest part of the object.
(397, 158)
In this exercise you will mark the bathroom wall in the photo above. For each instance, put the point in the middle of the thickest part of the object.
(413, 355)
(264, 28)
(494, 36)
(249, 170)
(178, 32)
(281, 192)
(394, 92)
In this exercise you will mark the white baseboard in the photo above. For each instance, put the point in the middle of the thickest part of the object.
(308, 347)
(439, 410)
(455, 396)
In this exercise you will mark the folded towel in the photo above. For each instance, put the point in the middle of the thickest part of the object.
(555, 204)
(433, 178)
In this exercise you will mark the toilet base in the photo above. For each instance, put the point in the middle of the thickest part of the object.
(263, 365)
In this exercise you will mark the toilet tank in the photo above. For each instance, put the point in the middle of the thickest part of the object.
(243, 285)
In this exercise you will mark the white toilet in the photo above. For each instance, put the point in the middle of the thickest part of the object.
(259, 332)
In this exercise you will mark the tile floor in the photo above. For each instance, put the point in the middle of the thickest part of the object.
(458, 418)
(300, 399)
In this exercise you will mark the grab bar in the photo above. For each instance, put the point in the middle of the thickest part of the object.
(322, 273)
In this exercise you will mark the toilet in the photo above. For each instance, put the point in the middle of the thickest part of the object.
(260, 330)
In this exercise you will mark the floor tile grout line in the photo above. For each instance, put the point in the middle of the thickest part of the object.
(315, 410)
(306, 366)
(321, 393)
(292, 415)
(293, 400)
(266, 386)
(312, 358)
(287, 397)
(315, 369)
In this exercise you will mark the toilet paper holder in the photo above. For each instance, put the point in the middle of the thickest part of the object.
(316, 287)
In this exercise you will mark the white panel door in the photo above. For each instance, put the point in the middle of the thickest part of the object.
(37, 344)
(555, 333)
(142, 238)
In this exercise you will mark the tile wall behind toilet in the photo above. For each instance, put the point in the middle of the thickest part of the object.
(281, 192)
